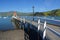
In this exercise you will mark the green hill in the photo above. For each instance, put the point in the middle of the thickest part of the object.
(11, 13)
(55, 12)
(48, 13)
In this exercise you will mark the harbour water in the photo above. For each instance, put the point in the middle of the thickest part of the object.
(41, 17)
(6, 24)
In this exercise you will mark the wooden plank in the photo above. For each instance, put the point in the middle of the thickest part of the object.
(12, 35)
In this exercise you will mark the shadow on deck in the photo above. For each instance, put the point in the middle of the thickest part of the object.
(33, 35)
(19, 35)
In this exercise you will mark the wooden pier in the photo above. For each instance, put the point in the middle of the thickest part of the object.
(30, 30)
(29, 34)
(12, 35)
(34, 25)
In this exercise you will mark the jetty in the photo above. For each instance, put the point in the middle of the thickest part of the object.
(30, 30)
(44, 31)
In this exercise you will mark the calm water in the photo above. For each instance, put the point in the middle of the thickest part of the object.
(5, 23)
(48, 17)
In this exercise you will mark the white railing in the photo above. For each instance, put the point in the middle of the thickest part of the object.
(46, 28)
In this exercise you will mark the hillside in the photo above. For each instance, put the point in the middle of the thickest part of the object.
(55, 12)
(48, 13)
(11, 13)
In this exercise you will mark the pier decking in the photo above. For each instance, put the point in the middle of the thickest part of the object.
(12, 35)
(51, 29)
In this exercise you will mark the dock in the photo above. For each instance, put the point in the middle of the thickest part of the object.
(30, 30)
(52, 31)
(12, 35)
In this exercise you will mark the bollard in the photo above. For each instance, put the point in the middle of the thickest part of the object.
(38, 24)
(44, 32)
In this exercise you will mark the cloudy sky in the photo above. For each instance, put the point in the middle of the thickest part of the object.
(26, 5)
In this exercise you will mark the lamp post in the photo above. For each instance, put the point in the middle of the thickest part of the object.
(33, 12)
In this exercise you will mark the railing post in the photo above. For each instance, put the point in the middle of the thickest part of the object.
(44, 31)
(24, 20)
(38, 24)
(38, 28)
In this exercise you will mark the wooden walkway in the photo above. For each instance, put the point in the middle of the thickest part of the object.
(51, 34)
(12, 35)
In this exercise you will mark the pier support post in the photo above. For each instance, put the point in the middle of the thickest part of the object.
(38, 24)
(38, 28)
(24, 23)
(44, 31)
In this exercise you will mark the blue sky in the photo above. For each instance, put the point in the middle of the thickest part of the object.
(26, 5)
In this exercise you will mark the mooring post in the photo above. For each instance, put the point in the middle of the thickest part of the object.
(38, 28)
(44, 31)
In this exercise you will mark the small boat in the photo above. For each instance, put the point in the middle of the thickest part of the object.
(4, 17)
(0, 17)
